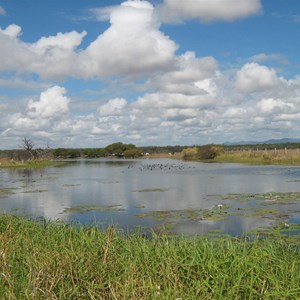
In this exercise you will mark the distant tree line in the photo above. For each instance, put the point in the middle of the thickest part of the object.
(163, 149)
(119, 149)
(113, 150)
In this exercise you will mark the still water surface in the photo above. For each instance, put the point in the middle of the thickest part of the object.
(135, 187)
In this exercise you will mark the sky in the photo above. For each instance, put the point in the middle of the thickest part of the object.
(159, 72)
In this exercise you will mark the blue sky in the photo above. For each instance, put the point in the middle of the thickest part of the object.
(163, 72)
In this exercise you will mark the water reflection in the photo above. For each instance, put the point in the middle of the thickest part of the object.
(140, 186)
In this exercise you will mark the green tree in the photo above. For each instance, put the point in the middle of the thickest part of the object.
(118, 149)
(133, 153)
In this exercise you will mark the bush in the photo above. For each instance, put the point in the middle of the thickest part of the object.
(209, 151)
(133, 153)
(93, 153)
(118, 149)
(66, 153)
(189, 153)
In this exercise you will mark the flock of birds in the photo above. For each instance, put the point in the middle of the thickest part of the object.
(161, 167)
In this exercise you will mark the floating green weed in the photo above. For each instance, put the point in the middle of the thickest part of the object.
(280, 230)
(34, 191)
(140, 206)
(272, 198)
(5, 192)
(217, 213)
(262, 213)
(87, 208)
(260, 204)
(151, 190)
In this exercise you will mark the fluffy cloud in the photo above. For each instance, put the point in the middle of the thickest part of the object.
(42, 114)
(12, 31)
(48, 57)
(52, 102)
(186, 76)
(112, 107)
(207, 11)
(274, 106)
(276, 57)
(178, 117)
(67, 41)
(254, 77)
(132, 45)
(174, 99)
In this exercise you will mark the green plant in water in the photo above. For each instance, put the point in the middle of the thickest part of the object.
(87, 208)
(151, 190)
(5, 192)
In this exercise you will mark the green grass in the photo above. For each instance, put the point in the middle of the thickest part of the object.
(53, 260)
(30, 164)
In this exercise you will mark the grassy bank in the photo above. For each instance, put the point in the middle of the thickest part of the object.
(57, 261)
(259, 157)
(33, 164)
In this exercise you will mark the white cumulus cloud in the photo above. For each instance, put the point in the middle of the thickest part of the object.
(187, 72)
(274, 106)
(42, 117)
(253, 77)
(12, 31)
(207, 10)
(133, 44)
(52, 102)
(68, 41)
(112, 107)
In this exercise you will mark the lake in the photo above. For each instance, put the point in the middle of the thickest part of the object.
(182, 197)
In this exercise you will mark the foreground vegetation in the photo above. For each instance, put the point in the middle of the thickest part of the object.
(44, 260)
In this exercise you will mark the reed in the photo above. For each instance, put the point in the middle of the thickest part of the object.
(53, 260)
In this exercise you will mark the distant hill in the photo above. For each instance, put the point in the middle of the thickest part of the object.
(272, 141)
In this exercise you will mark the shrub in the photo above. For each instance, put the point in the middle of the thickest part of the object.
(133, 153)
(189, 153)
(209, 151)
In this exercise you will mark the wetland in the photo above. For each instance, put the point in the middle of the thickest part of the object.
(178, 197)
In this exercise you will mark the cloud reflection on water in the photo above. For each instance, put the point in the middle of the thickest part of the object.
(139, 189)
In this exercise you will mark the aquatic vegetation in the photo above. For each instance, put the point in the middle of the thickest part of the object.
(87, 208)
(151, 190)
(272, 198)
(5, 192)
(140, 206)
(290, 232)
(278, 198)
(34, 191)
(217, 213)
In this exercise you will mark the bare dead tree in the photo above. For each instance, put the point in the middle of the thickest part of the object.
(27, 144)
